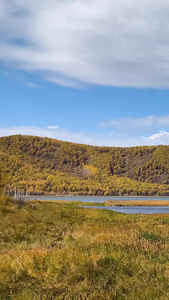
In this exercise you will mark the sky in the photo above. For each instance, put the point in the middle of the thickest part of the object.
(93, 72)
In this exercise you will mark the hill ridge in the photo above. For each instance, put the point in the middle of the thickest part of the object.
(45, 165)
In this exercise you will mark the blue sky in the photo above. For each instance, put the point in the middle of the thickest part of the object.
(85, 72)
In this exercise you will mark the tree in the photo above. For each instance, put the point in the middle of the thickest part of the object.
(3, 183)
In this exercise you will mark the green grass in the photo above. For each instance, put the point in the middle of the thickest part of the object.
(62, 251)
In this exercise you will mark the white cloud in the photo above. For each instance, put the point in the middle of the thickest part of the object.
(53, 127)
(75, 42)
(133, 124)
(31, 84)
(162, 137)
(51, 131)
(112, 139)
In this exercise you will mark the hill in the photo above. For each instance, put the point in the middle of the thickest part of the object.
(44, 165)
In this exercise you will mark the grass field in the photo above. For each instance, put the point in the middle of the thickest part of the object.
(52, 250)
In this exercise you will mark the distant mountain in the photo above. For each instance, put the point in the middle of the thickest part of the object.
(44, 165)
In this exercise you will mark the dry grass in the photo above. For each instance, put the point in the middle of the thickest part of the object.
(136, 203)
(61, 251)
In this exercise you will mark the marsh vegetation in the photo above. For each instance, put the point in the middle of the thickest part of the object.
(137, 203)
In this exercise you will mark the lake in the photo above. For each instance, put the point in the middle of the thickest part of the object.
(97, 199)
(135, 209)
(127, 210)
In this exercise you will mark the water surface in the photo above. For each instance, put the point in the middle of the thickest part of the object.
(125, 209)
(135, 209)
(97, 199)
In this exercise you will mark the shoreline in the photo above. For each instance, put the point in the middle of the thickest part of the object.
(67, 196)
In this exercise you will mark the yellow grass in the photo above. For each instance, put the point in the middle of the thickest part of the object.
(136, 203)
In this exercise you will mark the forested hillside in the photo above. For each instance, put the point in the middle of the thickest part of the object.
(43, 165)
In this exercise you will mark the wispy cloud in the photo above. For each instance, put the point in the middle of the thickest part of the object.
(32, 85)
(50, 131)
(112, 139)
(137, 123)
(53, 127)
(72, 43)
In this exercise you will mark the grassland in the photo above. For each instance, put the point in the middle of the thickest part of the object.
(62, 251)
